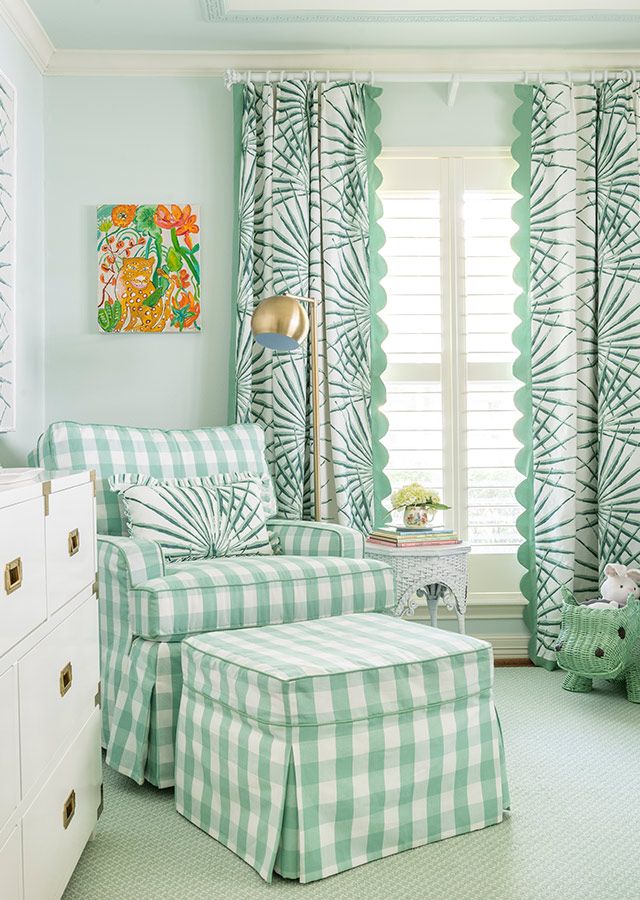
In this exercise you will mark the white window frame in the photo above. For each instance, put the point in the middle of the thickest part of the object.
(453, 368)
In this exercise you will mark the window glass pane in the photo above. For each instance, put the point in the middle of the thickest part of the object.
(413, 396)
(407, 227)
(421, 259)
(408, 246)
(494, 535)
(425, 304)
(490, 293)
(412, 315)
(488, 265)
(401, 266)
(415, 437)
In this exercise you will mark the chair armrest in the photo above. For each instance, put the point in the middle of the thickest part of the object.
(140, 559)
(299, 538)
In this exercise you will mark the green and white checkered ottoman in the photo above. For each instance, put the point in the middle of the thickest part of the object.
(314, 747)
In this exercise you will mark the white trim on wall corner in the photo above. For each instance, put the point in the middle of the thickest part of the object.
(27, 28)
(409, 62)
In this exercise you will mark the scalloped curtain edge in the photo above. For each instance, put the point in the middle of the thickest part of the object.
(378, 299)
(523, 429)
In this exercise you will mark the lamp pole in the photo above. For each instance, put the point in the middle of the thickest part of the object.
(315, 403)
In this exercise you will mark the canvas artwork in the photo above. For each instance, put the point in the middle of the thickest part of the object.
(148, 268)
(7, 226)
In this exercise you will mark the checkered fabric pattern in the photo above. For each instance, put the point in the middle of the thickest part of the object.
(316, 539)
(244, 591)
(148, 606)
(315, 747)
(145, 609)
(122, 562)
(114, 449)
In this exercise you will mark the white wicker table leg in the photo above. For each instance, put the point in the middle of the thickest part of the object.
(432, 602)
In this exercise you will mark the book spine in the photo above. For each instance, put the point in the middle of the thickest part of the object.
(418, 544)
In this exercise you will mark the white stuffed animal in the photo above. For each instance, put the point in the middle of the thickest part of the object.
(617, 586)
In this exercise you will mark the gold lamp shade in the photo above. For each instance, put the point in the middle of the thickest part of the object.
(280, 323)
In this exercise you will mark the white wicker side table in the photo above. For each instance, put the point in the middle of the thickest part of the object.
(416, 569)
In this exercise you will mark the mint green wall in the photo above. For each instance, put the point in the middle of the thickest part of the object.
(134, 140)
(137, 139)
(417, 115)
(18, 67)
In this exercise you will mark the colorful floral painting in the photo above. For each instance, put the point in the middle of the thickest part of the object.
(148, 268)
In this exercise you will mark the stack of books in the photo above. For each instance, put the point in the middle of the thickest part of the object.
(392, 536)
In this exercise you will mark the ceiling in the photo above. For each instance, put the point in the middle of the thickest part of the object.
(205, 25)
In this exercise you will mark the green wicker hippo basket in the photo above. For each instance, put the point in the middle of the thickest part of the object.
(600, 643)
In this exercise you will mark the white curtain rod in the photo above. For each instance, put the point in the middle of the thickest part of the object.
(452, 78)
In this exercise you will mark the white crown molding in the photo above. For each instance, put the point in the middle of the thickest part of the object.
(27, 28)
(416, 11)
(409, 62)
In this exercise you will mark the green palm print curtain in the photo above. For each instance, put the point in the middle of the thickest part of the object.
(579, 174)
(307, 225)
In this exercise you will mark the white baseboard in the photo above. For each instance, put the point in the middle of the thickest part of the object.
(512, 645)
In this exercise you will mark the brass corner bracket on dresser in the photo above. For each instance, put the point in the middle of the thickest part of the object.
(46, 493)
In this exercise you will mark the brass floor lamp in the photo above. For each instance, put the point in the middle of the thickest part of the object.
(281, 323)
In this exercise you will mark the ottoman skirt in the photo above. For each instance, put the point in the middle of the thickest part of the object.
(325, 745)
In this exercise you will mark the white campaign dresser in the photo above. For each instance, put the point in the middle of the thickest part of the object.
(50, 758)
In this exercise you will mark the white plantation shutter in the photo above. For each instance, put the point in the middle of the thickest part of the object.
(450, 297)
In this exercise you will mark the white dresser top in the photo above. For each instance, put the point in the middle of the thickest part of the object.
(42, 482)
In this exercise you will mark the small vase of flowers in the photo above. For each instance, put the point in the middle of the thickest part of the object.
(419, 503)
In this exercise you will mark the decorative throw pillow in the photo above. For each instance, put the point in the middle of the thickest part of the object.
(196, 518)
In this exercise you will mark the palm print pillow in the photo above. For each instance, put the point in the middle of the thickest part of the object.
(196, 518)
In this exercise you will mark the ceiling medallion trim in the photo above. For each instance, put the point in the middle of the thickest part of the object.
(216, 11)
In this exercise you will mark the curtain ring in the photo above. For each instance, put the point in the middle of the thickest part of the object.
(281, 74)
(268, 76)
(353, 74)
(525, 78)
(327, 76)
(249, 76)
(371, 78)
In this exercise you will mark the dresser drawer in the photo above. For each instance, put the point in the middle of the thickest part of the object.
(22, 571)
(9, 745)
(58, 684)
(71, 543)
(10, 868)
(60, 820)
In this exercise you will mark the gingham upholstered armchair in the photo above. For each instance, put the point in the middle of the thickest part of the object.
(147, 605)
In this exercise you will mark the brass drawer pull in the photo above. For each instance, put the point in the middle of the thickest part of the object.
(13, 575)
(66, 679)
(68, 809)
(73, 542)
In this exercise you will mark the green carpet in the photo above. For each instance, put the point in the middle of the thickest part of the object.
(574, 830)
